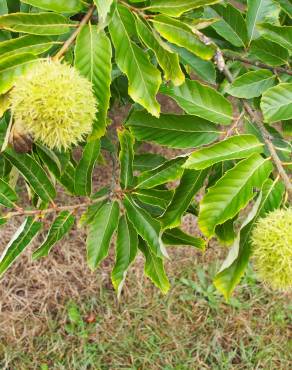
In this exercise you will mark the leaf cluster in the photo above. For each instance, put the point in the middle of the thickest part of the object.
(227, 67)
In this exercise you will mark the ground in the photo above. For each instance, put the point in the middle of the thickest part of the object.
(57, 314)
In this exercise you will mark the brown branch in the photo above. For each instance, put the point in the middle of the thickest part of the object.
(258, 121)
(234, 126)
(55, 209)
(270, 145)
(232, 56)
(72, 38)
(256, 117)
(139, 11)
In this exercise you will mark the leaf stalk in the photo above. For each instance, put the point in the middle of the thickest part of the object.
(74, 35)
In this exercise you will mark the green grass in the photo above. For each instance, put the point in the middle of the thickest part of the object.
(190, 328)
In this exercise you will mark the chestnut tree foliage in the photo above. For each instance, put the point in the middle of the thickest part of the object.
(225, 64)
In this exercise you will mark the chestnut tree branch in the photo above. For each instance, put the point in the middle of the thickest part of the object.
(232, 56)
(54, 209)
(74, 35)
(256, 117)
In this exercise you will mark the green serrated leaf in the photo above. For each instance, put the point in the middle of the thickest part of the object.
(20, 240)
(167, 59)
(180, 34)
(84, 169)
(282, 146)
(236, 262)
(93, 53)
(281, 35)
(154, 268)
(179, 238)
(235, 147)
(59, 6)
(205, 69)
(12, 67)
(190, 183)
(33, 174)
(8, 197)
(226, 233)
(88, 216)
(201, 100)
(269, 52)
(231, 25)
(50, 159)
(32, 44)
(232, 192)
(155, 197)
(59, 165)
(100, 233)
(154, 210)
(60, 227)
(126, 158)
(251, 84)
(276, 103)
(259, 11)
(146, 226)
(126, 251)
(147, 161)
(171, 130)
(35, 23)
(144, 78)
(176, 8)
(168, 171)
(67, 178)
(101, 193)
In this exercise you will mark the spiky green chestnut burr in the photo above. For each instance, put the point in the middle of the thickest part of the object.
(54, 104)
(272, 249)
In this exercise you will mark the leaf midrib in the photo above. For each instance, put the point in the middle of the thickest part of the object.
(11, 191)
(137, 209)
(181, 206)
(250, 147)
(248, 179)
(253, 83)
(147, 179)
(134, 56)
(255, 21)
(54, 235)
(161, 128)
(174, 6)
(103, 238)
(279, 105)
(180, 96)
(16, 246)
(24, 165)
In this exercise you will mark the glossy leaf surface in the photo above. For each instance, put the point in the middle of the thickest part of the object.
(201, 100)
(232, 192)
(171, 130)
(20, 240)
